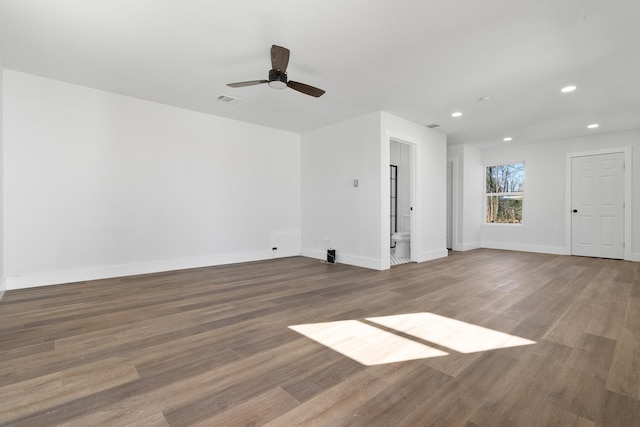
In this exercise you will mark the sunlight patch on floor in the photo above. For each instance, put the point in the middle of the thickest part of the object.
(370, 345)
(366, 344)
(451, 333)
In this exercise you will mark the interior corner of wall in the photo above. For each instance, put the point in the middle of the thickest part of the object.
(3, 287)
(470, 246)
(433, 255)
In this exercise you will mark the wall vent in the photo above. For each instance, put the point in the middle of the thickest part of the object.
(226, 99)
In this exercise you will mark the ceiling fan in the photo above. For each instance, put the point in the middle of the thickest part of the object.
(278, 75)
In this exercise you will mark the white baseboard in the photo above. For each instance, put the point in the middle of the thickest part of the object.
(370, 263)
(122, 270)
(3, 286)
(431, 255)
(314, 253)
(467, 246)
(341, 258)
(554, 250)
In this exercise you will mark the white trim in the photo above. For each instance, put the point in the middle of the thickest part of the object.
(455, 215)
(385, 215)
(628, 162)
(341, 258)
(415, 227)
(555, 250)
(413, 183)
(104, 272)
(384, 198)
(429, 256)
(486, 195)
(469, 246)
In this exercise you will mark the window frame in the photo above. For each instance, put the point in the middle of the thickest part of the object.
(519, 194)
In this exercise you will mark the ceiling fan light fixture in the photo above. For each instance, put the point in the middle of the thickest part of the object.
(277, 79)
(277, 84)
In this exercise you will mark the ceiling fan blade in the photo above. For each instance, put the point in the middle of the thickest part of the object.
(279, 58)
(306, 89)
(249, 83)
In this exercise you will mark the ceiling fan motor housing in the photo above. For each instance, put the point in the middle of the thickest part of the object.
(277, 79)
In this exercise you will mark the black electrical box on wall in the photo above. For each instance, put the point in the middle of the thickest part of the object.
(331, 256)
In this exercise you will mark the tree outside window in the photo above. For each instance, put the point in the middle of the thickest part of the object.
(504, 193)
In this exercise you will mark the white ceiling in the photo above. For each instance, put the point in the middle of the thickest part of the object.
(417, 59)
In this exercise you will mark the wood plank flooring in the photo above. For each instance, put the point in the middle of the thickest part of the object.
(213, 347)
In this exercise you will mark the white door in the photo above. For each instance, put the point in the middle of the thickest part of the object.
(597, 202)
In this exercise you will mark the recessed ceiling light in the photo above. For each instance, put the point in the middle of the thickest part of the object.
(456, 114)
(593, 126)
(507, 139)
(568, 89)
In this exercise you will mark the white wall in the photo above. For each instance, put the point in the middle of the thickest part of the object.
(430, 193)
(468, 206)
(3, 283)
(356, 219)
(331, 158)
(545, 228)
(103, 185)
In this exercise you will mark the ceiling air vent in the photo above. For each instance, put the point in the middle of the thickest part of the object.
(226, 99)
(433, 126)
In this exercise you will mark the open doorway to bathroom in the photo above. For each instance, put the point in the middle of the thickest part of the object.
(393, 204)
(400, 201)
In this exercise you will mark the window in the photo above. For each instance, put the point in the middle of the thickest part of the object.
(504, 193)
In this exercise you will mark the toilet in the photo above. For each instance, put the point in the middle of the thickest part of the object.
(402, 239)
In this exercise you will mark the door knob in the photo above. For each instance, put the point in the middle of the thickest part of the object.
(575, 211)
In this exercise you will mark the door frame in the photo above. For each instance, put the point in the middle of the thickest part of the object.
(453, 203)
(414, 188)
(626, 234)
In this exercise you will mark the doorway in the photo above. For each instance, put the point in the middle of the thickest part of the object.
(401, 225)
(598, 205)
(393, 204)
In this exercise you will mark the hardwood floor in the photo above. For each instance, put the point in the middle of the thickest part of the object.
(213, 347)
